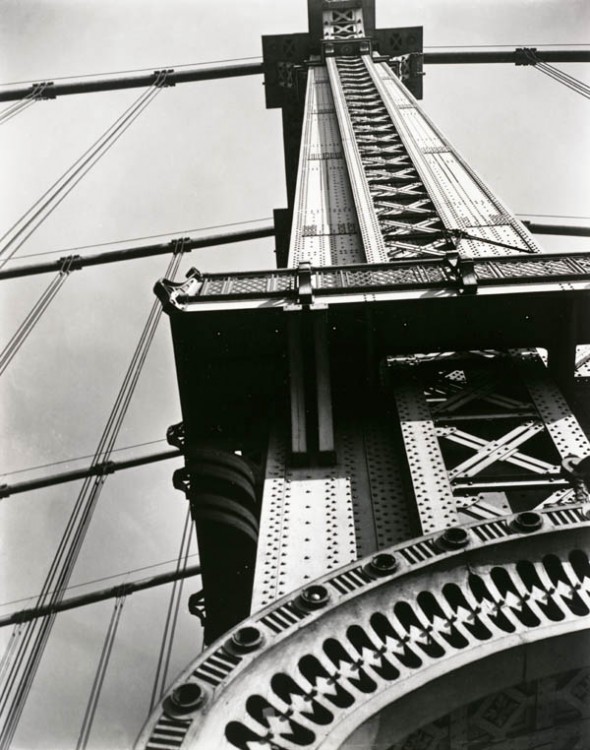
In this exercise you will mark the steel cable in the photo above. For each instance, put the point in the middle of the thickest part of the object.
(101, 669)
(33, 317)
(21, 673)
(574, 84)
(171, 617)
(12, 111)
(22, 229)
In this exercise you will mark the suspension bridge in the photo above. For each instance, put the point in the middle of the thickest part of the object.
(93, 520)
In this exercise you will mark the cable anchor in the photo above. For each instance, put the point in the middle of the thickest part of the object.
(164, 78)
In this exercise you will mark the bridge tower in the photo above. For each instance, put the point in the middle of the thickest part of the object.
(384, 452)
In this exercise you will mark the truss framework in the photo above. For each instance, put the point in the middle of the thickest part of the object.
(485, 434)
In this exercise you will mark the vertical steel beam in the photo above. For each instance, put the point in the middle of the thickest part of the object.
(432, 488)
(461, 198)
(562, 426)
(561, 355)
(373, 242)
(326, 446)
(299, 444)
(325, 228)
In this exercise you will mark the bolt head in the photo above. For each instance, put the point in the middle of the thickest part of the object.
(528, 522)
(246, 639)
(383, 564)
(453, 538)
(187, 697)
(314, 597)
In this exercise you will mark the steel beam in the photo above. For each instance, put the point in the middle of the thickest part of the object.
(112, 83)
(184, 244)
(432, 488)
(110, 467)
(457, 57)
(561, 229)
(122, 589)
(193, 74)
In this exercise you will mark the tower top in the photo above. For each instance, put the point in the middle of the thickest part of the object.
(317, 8)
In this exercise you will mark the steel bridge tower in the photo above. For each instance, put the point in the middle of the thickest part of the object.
(384, 452)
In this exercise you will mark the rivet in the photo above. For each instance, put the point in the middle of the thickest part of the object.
(186, 697)
(314, 597)
(247, 638)
(383, 564)
(528, 521)
(453, 538)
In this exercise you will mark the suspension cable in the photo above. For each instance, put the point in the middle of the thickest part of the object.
(34, 315)
(101, 669)
(165, 652)
(26, 657)
(15, 109)
(566, 79)
(39, 91)
(574, 84)
(24, 227)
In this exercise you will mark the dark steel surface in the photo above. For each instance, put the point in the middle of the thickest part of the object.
(109, 467)
(187, 75)
(122, 589)
(455, 57)
(132, 253)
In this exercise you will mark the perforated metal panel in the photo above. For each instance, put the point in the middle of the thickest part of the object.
(564, 429)
(317, 519)
(583, 361)
(325, 227)
(430, 480)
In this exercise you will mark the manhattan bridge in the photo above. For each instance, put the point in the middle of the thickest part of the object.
(384, 439)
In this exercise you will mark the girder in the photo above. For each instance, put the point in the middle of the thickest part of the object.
(386, 387)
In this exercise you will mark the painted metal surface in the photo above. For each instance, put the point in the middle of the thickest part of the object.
(431, 484)
(461, 198)
(487, 433)
(397, 248)
(325, 227)
(315, 519)
(314, 675)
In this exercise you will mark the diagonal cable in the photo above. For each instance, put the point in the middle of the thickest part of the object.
(24, 662)
(22, 229)
(171, 617)
(33, 317)
(10, 112)
(101, 669)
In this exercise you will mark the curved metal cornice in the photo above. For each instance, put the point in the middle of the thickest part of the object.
(309, 669)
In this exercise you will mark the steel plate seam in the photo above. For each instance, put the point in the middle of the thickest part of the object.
(371, 233)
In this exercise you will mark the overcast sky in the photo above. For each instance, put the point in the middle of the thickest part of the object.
(201, 155)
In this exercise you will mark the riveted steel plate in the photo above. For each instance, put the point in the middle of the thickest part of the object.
(325, 227)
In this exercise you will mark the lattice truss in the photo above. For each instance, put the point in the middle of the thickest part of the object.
(484, 434)
(346, 23)
(408, 220)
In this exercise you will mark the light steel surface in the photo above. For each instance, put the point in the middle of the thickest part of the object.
(461, 198)
(563, 427)
(315, 519)
(432, 488)
(374, 246)
(325, 227)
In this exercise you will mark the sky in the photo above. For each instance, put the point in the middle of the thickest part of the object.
(202, 155)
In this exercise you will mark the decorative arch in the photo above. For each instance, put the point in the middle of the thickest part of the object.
(402, 636)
